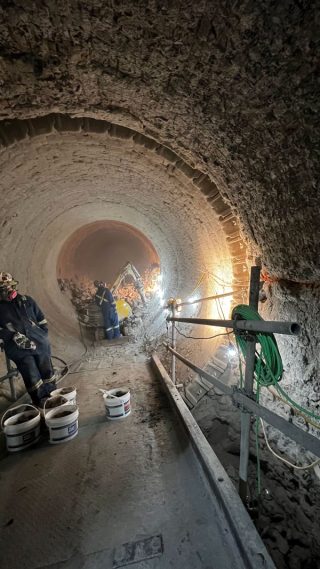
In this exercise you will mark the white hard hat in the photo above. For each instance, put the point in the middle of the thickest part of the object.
(7, 280)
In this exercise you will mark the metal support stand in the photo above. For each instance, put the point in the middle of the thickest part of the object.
(172, 306)
(248, 387)
(12, 374)
(244, 397)
(173, 343)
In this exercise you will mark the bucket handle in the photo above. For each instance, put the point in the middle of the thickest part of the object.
(106, 392)
(46, 401)
(18, 407)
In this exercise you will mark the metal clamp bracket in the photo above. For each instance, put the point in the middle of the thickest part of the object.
(237, 403)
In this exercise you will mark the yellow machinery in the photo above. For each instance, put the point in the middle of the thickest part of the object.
(124, 309)
(129, 270)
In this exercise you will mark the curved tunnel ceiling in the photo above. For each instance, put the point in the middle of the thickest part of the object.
(61, 174)
(224, 95)
(14, 131)
(230, 88)
(195, 122)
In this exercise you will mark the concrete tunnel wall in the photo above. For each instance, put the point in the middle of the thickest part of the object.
(58, 183)
(100, 249)
(225, 93)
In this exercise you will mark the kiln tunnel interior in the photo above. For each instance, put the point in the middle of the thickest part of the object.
(73, 192)
(195, 123)
(99, 250)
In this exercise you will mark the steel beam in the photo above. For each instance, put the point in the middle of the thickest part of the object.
(241, 400)
(256, 326)
(248, 386)
(173, 340)
(215, 382)
(214, 297)
(307, 441)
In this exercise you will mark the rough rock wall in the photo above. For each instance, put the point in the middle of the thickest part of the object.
(298, 303)
(230, 85)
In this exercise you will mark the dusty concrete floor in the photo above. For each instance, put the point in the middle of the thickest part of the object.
(74, 505)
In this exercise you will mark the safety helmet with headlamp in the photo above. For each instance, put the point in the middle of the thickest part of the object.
(8, 286)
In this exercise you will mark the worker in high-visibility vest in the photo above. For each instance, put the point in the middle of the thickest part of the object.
(105, 300)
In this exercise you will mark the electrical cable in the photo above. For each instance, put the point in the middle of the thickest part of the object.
(315, 425)
(268, 363)
(65, 369)
(70, 364)
(296, 405)
(220, 310)
(198, 284)
(60, 360)
(221, 281)
(67, 365)
(268, 368)
(223, 317)
(206, 274)
(284, 459)
(197, 338)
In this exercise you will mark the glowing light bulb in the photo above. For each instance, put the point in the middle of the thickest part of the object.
(232, 351)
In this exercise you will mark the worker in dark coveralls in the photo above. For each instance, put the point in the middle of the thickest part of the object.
(105, 300)
(24, 333)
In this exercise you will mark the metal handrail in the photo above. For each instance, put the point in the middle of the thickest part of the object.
(214, 297)
(251, 328)
(241, 400)
(256, 326)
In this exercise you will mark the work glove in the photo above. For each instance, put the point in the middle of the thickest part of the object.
(23, 342)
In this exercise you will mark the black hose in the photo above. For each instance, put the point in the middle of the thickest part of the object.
(65, 370)
(60, 360)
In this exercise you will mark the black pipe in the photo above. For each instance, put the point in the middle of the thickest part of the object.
(256, 326)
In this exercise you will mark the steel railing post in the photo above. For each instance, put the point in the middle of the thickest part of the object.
(254, 326)
(11, 379)
(173, 342)
(242, 401)
(248, 388)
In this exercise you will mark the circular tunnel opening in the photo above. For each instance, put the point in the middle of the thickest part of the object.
(99, 250)
(153, 203)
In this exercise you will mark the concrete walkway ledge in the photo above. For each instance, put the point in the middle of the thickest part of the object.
(251, 547)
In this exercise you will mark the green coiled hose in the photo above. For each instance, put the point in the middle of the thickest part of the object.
(268, 363)
(268, 368)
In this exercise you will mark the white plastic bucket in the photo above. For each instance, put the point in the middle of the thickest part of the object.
(117, 403)
(62, 423)
(54, 402)
(70, 393)
(21, 426)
